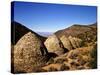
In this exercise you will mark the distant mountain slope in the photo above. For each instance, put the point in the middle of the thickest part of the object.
(85, 32)
(45, 34)
(18, 30)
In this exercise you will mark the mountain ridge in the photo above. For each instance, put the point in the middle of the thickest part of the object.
(78, 31)
(18, 30)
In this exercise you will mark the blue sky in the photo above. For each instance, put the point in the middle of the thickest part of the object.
(44, 17)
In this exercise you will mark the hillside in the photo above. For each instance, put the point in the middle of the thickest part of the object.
(84, 32)
(18, 30)
(72, 48)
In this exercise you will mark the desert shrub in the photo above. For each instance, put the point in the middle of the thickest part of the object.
(81, 61)
(80, 67)
(64, 67)
(40, 70)
(74, 64)
(94, 55)
(51, 61)
(52, 69)
(60, 60)
(73, 55)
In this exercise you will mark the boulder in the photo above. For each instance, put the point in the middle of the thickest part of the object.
(54, 45)
(72, 41)
(29, 53)
(66, 42)
(78, 42)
